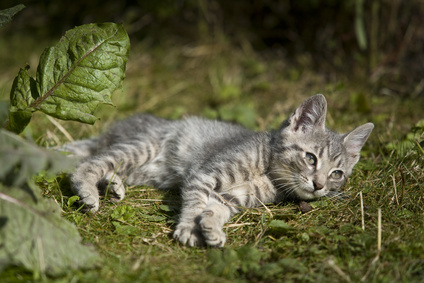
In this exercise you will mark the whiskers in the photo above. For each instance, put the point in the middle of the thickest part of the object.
(286, 192)
(286, 181)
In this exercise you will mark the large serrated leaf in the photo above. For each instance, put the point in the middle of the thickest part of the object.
(73, 77)
(33, 235)
(81, 71)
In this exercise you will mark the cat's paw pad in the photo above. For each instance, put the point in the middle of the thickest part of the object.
(188, 234)
(212, 230)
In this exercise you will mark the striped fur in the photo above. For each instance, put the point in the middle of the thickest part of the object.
(219, 167)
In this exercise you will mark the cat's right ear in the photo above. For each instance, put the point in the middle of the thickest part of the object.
(309, 115)
(354, 140)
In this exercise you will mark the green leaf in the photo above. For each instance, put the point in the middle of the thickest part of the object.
(123, 213)
(21, 159)
(82, 71)
(73, 77)
(23, 92)
(21, 97)
(18, 120)
(72, 200)
(7, 14)
(33, 235)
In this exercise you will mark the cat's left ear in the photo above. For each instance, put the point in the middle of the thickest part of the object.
(309, 115)
(354, 141)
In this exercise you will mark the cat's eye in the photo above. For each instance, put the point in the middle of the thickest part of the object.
(311, 159)
(336, 174)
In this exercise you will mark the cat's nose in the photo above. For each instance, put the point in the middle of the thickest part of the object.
(317, 186)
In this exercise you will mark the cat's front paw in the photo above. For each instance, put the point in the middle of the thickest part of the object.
(212, 230)
(188, 234)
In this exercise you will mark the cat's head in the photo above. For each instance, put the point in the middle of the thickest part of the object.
(309, 161)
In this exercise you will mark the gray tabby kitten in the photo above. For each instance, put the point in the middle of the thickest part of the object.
(219, 167)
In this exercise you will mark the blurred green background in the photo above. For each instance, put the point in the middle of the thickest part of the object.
(381, 40)
(247, 61)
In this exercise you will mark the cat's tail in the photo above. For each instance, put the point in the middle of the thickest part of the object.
(81, 148)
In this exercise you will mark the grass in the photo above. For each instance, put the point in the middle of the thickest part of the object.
(267, 244)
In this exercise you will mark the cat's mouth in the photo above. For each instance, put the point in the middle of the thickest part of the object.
(307, 192)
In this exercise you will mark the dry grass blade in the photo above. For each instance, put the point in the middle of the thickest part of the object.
(362, 212)
(60, 128)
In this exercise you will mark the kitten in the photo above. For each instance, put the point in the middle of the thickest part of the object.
(219, 167)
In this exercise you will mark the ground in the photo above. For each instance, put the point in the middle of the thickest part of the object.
(337, 241)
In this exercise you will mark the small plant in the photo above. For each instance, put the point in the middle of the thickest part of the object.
(72, 79)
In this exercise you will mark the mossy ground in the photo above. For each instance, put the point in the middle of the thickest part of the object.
(267, 244)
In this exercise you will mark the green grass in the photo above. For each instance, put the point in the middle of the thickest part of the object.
(327, 244)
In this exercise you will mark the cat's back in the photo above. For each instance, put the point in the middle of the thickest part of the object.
(134, 127)
(211, 130)
(192, 130)
(203, 136)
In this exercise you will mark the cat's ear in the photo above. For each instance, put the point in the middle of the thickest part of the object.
(354, 141)
(309, 115)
